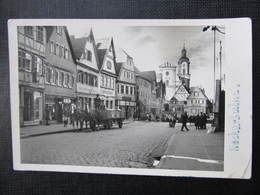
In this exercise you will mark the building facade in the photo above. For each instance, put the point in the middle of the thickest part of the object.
(125, 84)
(197, 102)
(60, 74)
(87, 71)
(169, 75)
(107, 60)
(31, 60)
(143, 95)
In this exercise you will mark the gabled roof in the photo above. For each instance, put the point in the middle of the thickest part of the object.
(192, 89)
(174, 99)
(49, 31)
(150, 75)
(102, 46)
(103, 43)
(136, 70)
(78, 45)
(182, 85)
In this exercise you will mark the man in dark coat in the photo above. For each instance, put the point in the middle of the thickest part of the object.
(184, 118)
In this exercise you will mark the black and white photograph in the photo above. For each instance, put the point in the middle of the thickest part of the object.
(115, 96)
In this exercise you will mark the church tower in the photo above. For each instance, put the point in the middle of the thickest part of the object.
(184, 68)
(170, 77)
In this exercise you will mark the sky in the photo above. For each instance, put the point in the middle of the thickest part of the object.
(151, 46)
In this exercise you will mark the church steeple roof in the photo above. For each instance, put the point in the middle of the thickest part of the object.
(183, 51)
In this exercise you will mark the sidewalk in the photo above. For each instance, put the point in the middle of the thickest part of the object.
(37, 130)
(194, 150)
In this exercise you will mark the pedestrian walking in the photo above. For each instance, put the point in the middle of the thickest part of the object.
(184, 118)
(197, 119)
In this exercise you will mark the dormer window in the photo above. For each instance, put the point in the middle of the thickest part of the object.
(89, 55)
(109, 65)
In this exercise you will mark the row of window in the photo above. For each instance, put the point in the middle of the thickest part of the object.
(27, 61)
(128, 75)
(87, 78)
(197, 101)
(107, 82)
(29, 31)
(125, 89)
(59, 50)
(58, 77)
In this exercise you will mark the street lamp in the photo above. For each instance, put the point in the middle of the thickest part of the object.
(214, 29)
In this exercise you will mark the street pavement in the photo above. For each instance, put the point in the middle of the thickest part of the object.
(194, 150)
(130, 146)
(138, 144)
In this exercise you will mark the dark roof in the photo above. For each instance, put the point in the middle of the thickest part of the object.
(101, 54)
(136, 70)
(187, 89)
(78, 45)
(150, 75)
(118, 67)
(174, 99)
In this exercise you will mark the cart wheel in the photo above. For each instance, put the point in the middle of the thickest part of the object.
(93, 125)
(109, 124)
(120, 123)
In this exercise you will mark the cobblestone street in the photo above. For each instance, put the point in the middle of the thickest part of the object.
(130, 146)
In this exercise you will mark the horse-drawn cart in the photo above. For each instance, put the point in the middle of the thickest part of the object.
(96, 118)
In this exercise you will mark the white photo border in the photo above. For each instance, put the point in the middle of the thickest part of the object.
(238, 38)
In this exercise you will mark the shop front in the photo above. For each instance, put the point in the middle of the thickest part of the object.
(127, 106)
(57, 109)
(31, 106)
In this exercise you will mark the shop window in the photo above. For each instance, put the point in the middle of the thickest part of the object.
(25, 61)
(39, 34)
(28, 30)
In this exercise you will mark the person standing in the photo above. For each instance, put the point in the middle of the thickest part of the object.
(197, 118)
(184, 118)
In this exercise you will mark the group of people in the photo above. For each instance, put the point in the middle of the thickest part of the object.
(200, 121)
